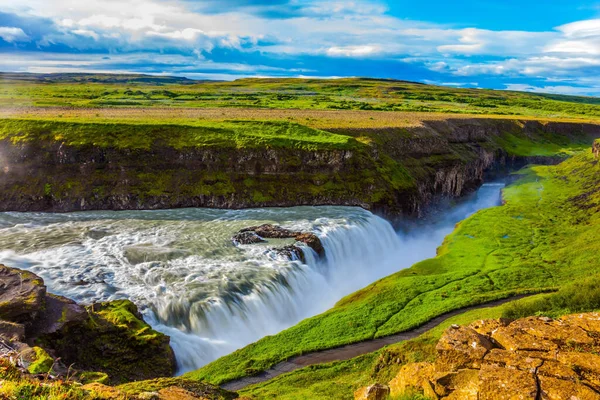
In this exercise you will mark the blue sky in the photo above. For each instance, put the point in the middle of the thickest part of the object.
(550, 46)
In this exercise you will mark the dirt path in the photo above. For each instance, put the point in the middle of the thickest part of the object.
(352, 350)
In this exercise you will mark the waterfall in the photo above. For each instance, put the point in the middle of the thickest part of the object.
(190, 282)
(355, 254)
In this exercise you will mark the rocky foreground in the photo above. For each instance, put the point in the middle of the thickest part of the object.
(530, 358)
(50, 345)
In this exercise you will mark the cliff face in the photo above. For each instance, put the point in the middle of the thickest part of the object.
(530, 358)
(400, 172)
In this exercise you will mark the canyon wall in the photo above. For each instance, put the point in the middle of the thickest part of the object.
(399, 172)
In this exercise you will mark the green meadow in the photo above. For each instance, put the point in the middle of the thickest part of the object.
(137, 91)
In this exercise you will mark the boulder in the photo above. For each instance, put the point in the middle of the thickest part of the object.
(373, 392)
(497, 383)
(590, 322)
(11, 331)
(586, 365)
(461, 347)
(114, 339)
(414, 376)
(257, 234)
(488, 326)
(247, 237)
(58, 312)
(551, 330)
(463, 385)
(21, 295)
(312, 241)
(512, 360)
(514, 338)
(271, 231)
(530, 358)
(291, 252)
(560, 389)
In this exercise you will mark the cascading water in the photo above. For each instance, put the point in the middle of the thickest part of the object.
(181, 269)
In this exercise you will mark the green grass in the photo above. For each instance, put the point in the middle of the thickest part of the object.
(545, 236)
(84, 91)
(239, 134)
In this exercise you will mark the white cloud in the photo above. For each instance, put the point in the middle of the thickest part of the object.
(352, 51)
(11, 34)
(557, 89)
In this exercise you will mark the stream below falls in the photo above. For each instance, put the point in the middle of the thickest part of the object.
(188, 279)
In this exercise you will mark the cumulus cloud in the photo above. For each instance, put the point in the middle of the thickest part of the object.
(12, 34)
(353, 51)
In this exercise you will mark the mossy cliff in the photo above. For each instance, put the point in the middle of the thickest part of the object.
(67, 166)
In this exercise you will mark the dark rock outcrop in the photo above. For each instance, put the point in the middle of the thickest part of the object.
(257, 234)
(530, 358)
(247, 237)
(114, 339)
(21, 295)
(109, 337)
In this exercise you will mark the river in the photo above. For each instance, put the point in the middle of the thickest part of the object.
(182, 270)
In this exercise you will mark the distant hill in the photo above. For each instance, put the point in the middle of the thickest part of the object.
(97, 78)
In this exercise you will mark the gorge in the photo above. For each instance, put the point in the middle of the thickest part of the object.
(211, 297)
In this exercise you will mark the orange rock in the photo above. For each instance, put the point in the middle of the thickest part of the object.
(488, 326)
(510, 359)
(513, 338)
(463, 384)
(559, 389)
(586, 365)
(497, 383)
(555, 331)
(554, 369)
(373, 392)
(461, 347)
(589, 322)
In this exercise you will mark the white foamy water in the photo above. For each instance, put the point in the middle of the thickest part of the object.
(181, 268)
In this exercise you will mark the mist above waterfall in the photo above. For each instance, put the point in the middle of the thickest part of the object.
(192, 283)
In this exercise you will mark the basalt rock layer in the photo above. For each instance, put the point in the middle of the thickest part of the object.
(530, 358)
(396, 171)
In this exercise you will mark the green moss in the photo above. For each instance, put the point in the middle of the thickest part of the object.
(42, 364)
(137, 136)
(89, 377)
